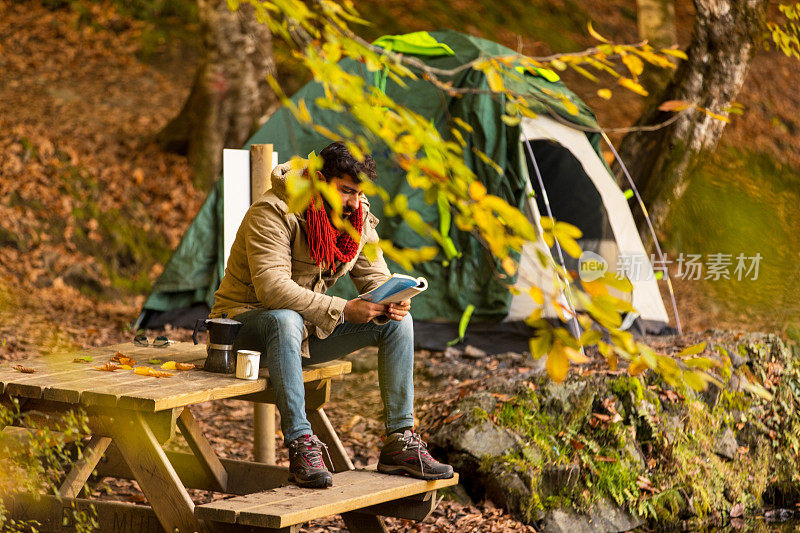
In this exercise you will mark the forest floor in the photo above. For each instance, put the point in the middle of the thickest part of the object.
(90, 208)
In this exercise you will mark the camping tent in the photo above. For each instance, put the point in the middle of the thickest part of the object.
(558, 150)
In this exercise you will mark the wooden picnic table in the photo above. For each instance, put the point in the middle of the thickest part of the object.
(132, 416)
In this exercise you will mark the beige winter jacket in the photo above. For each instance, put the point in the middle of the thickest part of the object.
(270, 265)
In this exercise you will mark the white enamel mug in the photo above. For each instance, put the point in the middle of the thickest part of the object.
(247, 364)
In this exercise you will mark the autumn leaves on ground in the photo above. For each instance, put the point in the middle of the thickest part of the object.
(90, 210)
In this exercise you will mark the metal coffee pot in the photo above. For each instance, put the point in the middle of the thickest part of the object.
(221, 334)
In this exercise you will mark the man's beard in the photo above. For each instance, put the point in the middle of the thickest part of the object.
(346, 211)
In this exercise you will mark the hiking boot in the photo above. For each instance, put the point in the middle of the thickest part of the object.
(306, 467)
(408, 454)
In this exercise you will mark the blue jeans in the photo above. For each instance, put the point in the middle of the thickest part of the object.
(278, 334)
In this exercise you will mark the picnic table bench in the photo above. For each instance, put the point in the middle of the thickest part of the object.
(131, 417)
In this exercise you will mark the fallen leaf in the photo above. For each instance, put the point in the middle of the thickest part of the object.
(353, 421)
(123, 359)
(502, 397)
(453, 417)
(184, 366)
(154, 361)
(147, 371)
(169, 365)
(108, 367)
(23, 369)
(84, 359)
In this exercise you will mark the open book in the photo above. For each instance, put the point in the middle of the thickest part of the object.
(396, 289)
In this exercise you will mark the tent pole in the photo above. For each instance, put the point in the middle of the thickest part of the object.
(650, 227)
(576, 327)
(139, 321)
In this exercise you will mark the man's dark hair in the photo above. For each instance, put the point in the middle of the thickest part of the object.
(338, 161)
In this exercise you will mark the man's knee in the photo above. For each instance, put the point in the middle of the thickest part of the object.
(284, 322)
(403, 327)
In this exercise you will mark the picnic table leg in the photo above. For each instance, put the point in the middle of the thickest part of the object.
(202, 450)
(83, 468)
(152, 470)
(363, 523)
(324, 430)
(264, 429)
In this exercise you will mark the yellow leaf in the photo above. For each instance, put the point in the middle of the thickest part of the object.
(540, 344)
(534, 316)
(605, 94)
(591, 336)
(632, 86)
(569, 245)
(674, 105)
(557, 364)
(477, 191)
(692, 350)
(714, 115)
(370, 251)
(509, 265)
(536, 294)
(302, 114)
(558, 64)
(169, 365)
(495, 80)
(619, 283)
(637, 366)
(594, 288)
(596, 35)
(147, 371)
(611, 358)
(674, 52)
(695, 380)
(568, 229)
(571, 108)
(576, 356)
(634, 64)
(703, 363)
(463, 125)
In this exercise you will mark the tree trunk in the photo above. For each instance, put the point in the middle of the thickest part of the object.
(656, 22)
(725, 32)
(229, 95)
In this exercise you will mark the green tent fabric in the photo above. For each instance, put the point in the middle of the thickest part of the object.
(194, 272)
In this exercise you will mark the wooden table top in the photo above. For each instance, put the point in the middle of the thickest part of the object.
(58, 378)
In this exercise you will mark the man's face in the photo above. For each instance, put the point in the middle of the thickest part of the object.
(349, 190)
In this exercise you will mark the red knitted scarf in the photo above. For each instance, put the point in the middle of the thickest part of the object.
(327, 244)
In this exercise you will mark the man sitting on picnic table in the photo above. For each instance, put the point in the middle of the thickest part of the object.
(280, 266)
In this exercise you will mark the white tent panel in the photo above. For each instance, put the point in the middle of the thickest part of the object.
(530, 271)
(646, 296)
